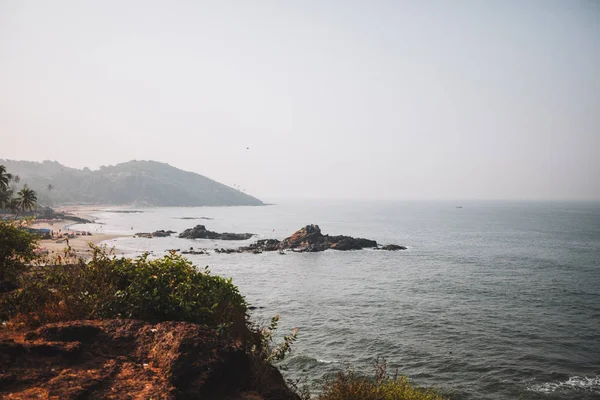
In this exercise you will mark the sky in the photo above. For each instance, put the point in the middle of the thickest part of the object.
(313, 99)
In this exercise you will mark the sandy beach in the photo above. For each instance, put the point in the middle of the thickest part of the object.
(78, 243)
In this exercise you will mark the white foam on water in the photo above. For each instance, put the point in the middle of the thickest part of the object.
(324, 361)
(580, 383)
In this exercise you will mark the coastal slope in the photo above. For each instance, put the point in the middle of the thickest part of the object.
(143, 183)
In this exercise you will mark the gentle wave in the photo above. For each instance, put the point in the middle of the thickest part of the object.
(578, 383)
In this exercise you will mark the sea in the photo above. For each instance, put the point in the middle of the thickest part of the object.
(492, 300)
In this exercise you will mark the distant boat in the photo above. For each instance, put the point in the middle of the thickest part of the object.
(459, 206)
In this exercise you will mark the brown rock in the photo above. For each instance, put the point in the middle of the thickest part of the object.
(128, 359)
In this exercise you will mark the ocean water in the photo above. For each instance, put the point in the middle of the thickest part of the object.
(495, 300)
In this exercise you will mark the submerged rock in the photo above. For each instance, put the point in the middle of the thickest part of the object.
(124, 359)
(200, 232)
(392, 247)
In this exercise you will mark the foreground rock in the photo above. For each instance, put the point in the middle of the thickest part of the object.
(200, 232)
(310, 239)
(160, 233)
(128, 359)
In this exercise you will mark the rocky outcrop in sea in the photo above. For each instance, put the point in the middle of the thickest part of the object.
(311, 239)
(200, 232)
(159, 233)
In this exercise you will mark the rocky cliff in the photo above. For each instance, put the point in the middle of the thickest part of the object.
(130, 359)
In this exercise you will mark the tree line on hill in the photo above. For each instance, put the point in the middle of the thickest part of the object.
(141, 183)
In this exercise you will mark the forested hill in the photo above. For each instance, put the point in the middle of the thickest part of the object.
(142, 183)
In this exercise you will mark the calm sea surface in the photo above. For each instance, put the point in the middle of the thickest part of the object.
(495, 300)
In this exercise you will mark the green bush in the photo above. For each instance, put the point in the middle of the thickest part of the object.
(164, 289)
(349, 385)
(267, 349)
(16, 251)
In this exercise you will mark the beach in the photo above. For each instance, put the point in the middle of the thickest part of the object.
(61, 227)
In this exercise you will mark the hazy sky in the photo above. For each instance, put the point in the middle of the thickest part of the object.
(336, 99)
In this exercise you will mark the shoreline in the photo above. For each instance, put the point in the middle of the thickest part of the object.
(79, 244)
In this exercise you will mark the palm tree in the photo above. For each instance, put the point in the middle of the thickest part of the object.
(5, 178)
(5, 196)
(26, 199)
(5, 191)
(13, 206)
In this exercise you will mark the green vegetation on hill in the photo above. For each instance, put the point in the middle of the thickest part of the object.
(145, 183)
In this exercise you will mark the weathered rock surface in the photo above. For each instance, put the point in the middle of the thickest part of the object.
(263, 245)
(392, 247)
(310, 239)
(160, 233)
(128, 359)
(200, 232)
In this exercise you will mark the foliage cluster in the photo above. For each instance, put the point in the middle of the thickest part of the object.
(16, 251)
(267, 349)
(349, 385)
(164, 289)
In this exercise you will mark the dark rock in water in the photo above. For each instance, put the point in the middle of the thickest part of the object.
(200, 232)
(392, 247)
(310, 239)
(350, 243)
(251, 308)
(263, 245)
(160, 233)
(227, 251)
(124, 358)
(194, 252)
(235, 236)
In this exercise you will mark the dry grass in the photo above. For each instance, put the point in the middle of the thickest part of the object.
(349, 385)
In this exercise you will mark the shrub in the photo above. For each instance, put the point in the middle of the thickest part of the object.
(16, 251)
(349, 385)
(270, 351)
(164, 289)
